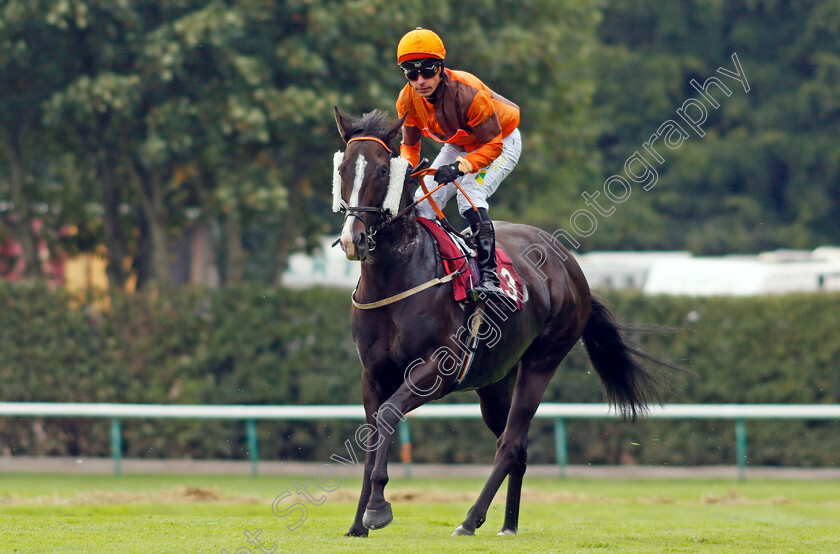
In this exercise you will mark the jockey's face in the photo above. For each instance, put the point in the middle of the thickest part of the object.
(426, 86)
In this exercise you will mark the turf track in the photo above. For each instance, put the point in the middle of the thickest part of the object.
(171, 513)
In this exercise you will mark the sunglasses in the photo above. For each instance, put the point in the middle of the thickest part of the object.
(427, 71)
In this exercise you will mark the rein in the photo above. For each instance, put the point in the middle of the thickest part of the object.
(385, 217)
(405, 294)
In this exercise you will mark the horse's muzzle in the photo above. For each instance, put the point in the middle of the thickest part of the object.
(354, 239)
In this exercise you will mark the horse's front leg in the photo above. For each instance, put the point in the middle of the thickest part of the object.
(358, 529)
(372, 399)
(422, 385)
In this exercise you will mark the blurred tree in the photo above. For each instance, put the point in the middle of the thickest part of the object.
(29, 73)
(219, 113)
(111, 114)
(767, 174)
(97, 115)
(537, 54)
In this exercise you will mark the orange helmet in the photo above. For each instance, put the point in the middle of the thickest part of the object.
(418, 44)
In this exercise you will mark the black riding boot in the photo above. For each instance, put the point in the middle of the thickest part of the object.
(488, 284)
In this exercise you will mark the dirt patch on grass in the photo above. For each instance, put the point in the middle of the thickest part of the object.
(528, 495)
(181, 494)
(543, 497)
(732, 497)
(186, 494)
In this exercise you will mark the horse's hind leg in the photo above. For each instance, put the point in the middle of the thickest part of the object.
(531, 383)
(495, 405)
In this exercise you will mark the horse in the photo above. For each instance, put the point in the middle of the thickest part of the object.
(407, 330)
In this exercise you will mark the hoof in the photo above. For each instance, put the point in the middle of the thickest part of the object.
(354, 532)
(462, 531)
(504, 532)
(377, 519)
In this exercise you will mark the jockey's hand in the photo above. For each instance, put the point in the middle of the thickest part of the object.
(448, 173)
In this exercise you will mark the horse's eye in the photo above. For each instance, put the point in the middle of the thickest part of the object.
(383, 171)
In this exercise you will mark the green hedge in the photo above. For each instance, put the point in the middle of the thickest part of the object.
(257, 345)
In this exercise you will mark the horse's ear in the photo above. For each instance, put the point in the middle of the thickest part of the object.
(343, 124)
(392, 131)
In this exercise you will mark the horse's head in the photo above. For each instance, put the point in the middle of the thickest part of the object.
(368, 179)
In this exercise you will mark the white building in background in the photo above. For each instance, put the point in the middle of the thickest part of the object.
(622, 270)
(326, 266)
(677, 273)
(775, 272)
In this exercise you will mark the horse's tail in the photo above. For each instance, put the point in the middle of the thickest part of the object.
(628, 385)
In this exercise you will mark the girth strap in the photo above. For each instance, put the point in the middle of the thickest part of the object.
(405, 294)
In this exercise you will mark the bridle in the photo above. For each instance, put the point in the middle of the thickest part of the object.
(384, 217)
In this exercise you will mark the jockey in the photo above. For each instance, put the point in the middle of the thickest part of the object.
(479, 132)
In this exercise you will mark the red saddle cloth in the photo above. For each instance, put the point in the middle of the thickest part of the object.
(455, 259)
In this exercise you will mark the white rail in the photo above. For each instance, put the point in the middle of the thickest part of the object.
(558, 412)
(429, 411)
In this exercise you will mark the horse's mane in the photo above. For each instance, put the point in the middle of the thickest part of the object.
(374, 123)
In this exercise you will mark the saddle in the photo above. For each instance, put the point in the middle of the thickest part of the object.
(458, 254)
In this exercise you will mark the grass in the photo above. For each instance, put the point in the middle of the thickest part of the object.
(145, 513)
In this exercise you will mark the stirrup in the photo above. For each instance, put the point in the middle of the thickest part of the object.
(491, 292)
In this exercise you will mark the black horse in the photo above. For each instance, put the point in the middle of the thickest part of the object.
(406, 347)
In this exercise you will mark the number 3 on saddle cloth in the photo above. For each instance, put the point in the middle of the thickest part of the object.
(456, 256)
